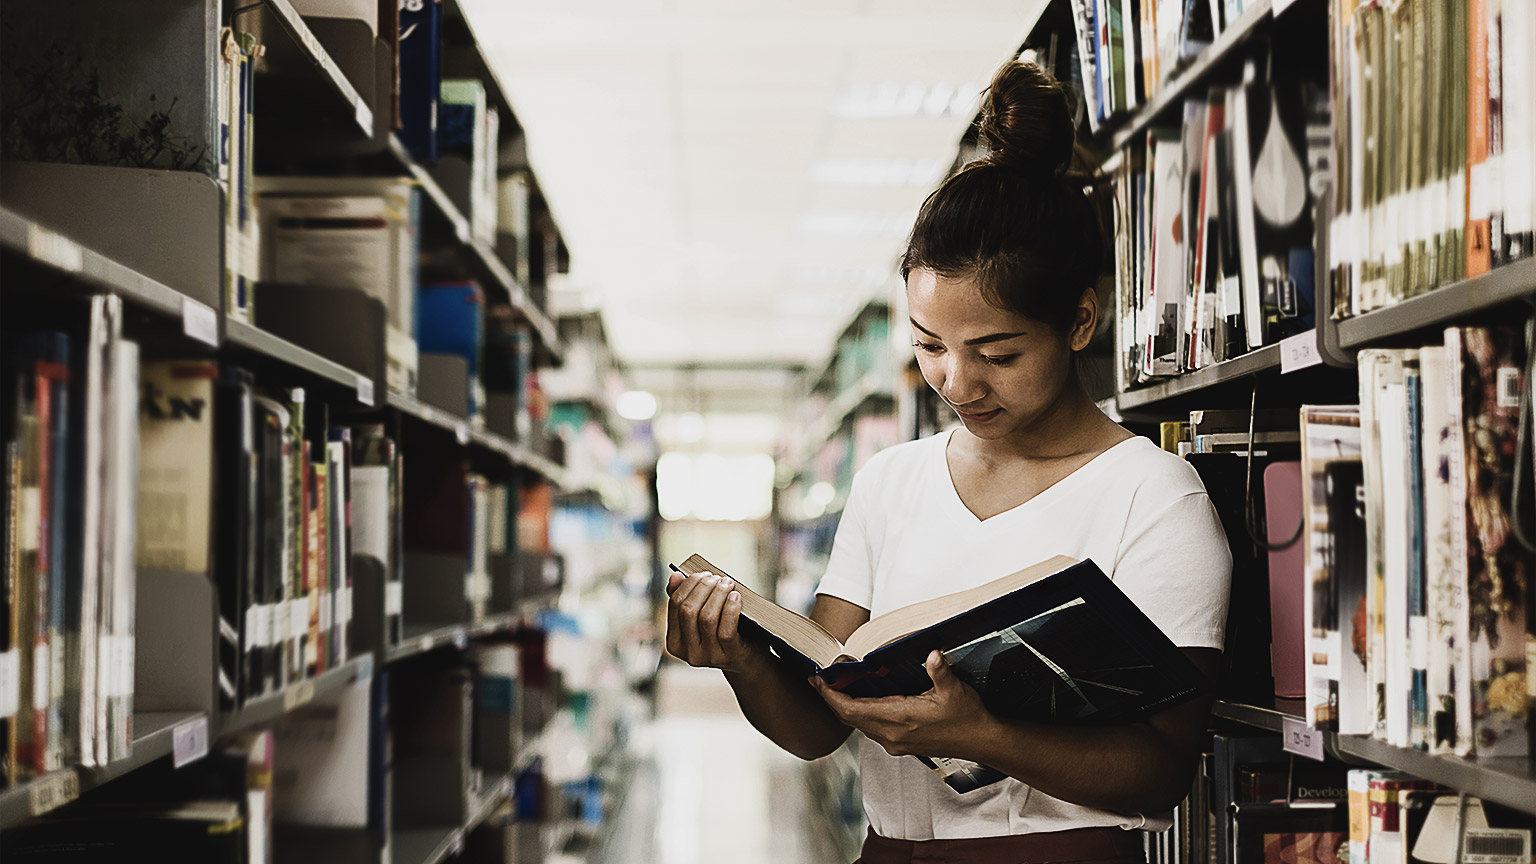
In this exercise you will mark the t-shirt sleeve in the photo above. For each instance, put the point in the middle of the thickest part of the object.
(1175, 565)
(851, 566)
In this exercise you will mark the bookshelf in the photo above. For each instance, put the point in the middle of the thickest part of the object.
(1506, 780)
(156, 239)
(1463, 300)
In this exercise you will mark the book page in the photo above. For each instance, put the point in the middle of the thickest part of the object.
(802, 634)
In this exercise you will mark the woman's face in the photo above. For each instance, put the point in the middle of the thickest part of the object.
(999, 370)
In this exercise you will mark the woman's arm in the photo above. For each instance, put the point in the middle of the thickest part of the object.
(1143, 767)
(703, 629)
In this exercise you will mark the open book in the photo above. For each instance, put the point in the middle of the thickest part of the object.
(1056, 642)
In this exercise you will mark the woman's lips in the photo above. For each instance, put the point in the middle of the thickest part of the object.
(978, 417)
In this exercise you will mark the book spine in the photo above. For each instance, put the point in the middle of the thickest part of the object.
(1461, 635)
(1418, 625)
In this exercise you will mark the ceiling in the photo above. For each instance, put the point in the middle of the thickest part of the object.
(734, 179)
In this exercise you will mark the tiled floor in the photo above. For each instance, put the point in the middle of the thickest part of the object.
(710, 789)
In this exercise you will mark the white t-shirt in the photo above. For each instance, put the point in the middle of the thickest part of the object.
(1140, 513)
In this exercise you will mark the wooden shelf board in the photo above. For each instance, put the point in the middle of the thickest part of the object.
(1511, 283)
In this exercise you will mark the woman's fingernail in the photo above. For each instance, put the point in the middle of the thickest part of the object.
(734, 598)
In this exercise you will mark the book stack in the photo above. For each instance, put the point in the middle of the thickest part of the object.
(1437, 184)
(1215, 256)
(67, 640)
(1419, 631)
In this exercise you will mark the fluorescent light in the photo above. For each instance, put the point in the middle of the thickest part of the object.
(854, 223)
(911, 99)
(690, 428)
(713, 486)
(878, 172)
(637, 405)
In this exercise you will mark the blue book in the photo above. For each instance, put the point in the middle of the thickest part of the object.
(420, 77)
(450, 320)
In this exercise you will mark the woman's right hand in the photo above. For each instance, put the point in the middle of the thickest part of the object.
(703, 623)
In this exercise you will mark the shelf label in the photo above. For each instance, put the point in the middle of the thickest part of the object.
(365, 390)
(10, 684)
(460, 638)
(393, 599)
(199, 322)
(425, 643)
(53, 790)
(189, 741)
(365, 668)
(1301, 739)
(457, 844)
(461, 432)
(298, 694)
(55, 249)
(1299, 352)
(364, 116)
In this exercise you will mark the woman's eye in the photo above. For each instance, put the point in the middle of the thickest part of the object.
(929, 347)
(999, 359)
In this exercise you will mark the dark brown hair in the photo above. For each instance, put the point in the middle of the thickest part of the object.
(1016, 220)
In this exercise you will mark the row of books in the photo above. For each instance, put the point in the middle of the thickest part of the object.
(1252, 803)
(1417, 620)
(1126, 50)
(70, 435)
(1215, 224)
(421, 746)
(1433, 145)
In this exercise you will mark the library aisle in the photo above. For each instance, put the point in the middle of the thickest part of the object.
(709, 788)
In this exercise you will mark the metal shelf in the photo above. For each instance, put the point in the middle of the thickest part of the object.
(265, 709)
(256, 340)
(1508, 781)
(1172, 94)
(55, 250)
(466, 434)
(1259, 360)
(421, 641)
(1441, 306)
(433, 845)
(292, 23)
(154, 734)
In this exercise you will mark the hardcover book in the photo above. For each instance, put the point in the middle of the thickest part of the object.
(1056, 642)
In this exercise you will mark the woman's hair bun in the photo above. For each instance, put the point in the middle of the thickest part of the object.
(1025, 122)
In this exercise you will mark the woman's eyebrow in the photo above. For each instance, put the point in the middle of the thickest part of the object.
(979, 340)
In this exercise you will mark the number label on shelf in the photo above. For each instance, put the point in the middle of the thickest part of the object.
(461, 432)
(460, 639)
(10, 683)
(298, 694)
(1301, 739)
(1298, 352)
(199, 322)
(53, 790)
(365, 390)
(189, 741)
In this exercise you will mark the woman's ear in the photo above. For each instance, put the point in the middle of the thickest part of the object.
(1085, 320)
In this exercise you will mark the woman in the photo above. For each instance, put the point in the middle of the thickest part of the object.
(1000, 272)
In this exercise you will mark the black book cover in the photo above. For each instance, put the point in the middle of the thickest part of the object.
(1070, 648)
(235, 551)
(271, 536)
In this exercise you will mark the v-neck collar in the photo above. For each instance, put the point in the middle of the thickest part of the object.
(969, 517)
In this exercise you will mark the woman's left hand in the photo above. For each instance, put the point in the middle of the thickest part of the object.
(935, 723)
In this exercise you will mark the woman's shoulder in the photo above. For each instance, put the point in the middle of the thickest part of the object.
(904, 458)
(1153, 471)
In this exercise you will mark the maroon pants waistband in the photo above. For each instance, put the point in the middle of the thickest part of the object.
(1053, 847)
